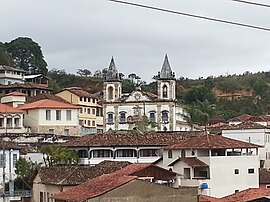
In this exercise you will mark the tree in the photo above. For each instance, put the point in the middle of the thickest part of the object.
(24, 168)
(27, 55)
(205, 111)
(5, 58)
(84, 72)
(53, 155)
(191, 115)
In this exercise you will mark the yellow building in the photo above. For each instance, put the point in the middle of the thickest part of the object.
(90, 116)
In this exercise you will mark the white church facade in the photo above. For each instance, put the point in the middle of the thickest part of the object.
(142, 109)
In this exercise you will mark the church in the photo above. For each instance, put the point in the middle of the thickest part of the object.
(139, 109)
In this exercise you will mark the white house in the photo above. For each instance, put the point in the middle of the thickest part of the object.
(10, 75)
(219, 166)
(11, 119)
(251, 132)
(9, 155)
(125, 146)
(121, 111)
(50, 116)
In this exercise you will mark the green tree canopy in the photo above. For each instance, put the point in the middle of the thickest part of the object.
(27, 55)
(5, 58)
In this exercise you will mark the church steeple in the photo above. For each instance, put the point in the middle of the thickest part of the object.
(166, 81)
(166, 71)
(112, 73)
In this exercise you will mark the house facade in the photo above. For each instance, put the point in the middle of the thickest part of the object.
(11, 75)
(124, 146)
(53, 117)
(122, 112)
(90, 116)
(11, 120)
(219, 166)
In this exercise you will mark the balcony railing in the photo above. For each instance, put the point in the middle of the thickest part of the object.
(24, 193)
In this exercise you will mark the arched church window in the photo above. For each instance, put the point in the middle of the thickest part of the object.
(110, 93)
(165, 91)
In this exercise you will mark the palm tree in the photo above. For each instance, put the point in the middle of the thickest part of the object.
(191, 115)
(205, 110)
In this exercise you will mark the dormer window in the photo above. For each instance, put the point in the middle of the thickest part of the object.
(165, 91)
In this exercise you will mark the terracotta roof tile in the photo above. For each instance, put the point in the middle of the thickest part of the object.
(191, 161)
(211, 142)
(247, 195)
(46, 104)
(94, 187)
(25, 85)
(243, 117)
(75, 175)
(8, 109)
(45, 96)
(126, 139)
(16, 94)
(244, 125)
(264, 176)
(103, 184)
(81, 93)
(204, 198)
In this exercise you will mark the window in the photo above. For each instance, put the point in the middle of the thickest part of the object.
(85, 99)
(122, 117)
(16, 122)
(89, 100)
(83, 154)
(110, 118)
(89, 123)
(58, 115)
(2, 160)
(15, 158)
(66, 131)
(93, 111)
(149, 152)
(40, 196)
(235, 191)
(165, 117)
(126, 153)
(48, 115)
(110, 93)
(93, 123)
(186, 173)
(94, 100)
(152, 117)
(164, 91)
(170, 154)
(88, 111)
(81, 110)
(236, 171)
(251, 171)
(68, 115)
(9, 122)
(51, 131)
(102, 153)
(81, 99)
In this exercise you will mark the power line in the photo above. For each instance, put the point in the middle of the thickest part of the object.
(252, 3)
(192, 15)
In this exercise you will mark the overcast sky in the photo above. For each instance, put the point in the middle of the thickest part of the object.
(87, 33)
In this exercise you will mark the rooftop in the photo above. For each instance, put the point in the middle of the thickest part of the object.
(211, 142)
(75, 175)
(191, 161)
(8, 109)
(47, 104)
(25, 86)
(8, 68)
(124, 138)
(43, 96)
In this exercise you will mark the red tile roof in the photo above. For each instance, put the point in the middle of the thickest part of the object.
(247, 195)
(45, 96)
(211, 142)
(191, 161)
(8, 109)
(75, 175)
(243, 117)
(94, 187)
(81, 93)
(244, 125)
(204, 198)
(16, 94)
(25, 86)
(123, 138)
(48, 104)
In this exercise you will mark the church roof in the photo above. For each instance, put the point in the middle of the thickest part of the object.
(166, 71)
(112, 73)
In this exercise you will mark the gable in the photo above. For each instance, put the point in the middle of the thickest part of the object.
(137, 96)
